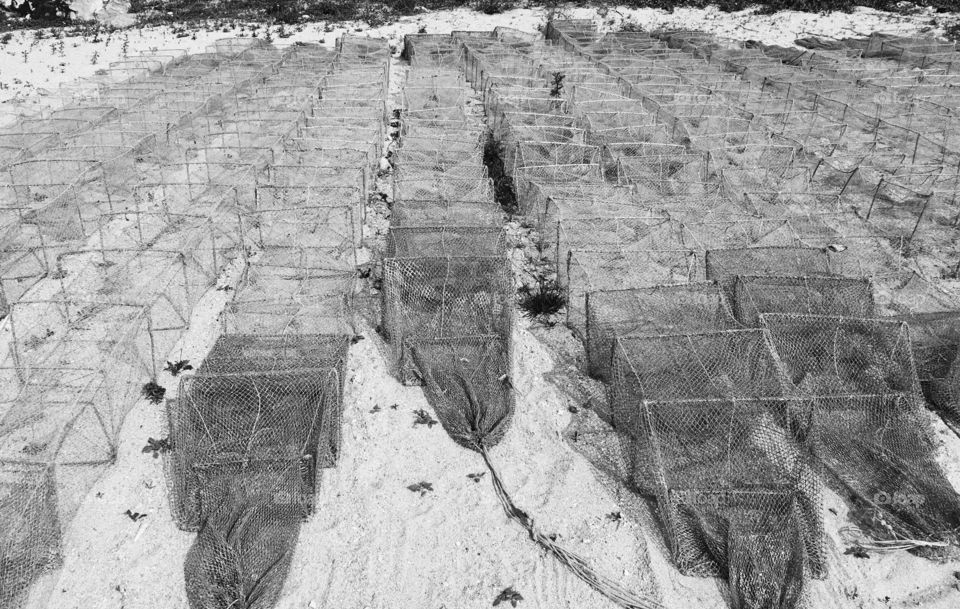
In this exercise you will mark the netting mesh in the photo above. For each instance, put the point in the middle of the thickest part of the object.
(753, 296)
(255, 401)
(466, 380)
(866, 423)
(723, 265)
(694, 307)
(936, 339)
(710, 420)
(444, 297)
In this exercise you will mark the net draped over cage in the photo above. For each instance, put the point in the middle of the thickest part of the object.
(260, 402)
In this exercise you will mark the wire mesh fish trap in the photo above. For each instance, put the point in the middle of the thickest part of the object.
(880, 452)
(839, 296)
(936, 340)
(445, 241)
(258, 404)
(466, 379)
(328, 226)
(444, 297)
(32, 530)
(715, 365)
(729, 479)
(297, 272)
(442, 188)
(588, 271)
(827, 354)
(723, 265)
(450, 213)
(660, 310)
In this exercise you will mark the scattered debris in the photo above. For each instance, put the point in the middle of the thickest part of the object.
(375, 409)
(135, 516)
(476, 477)
(856, 551)
(508, 595)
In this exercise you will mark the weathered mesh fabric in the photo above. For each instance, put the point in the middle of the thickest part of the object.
(753, 296)
(224, 421)
(830, 355)
(880, 453)
(451, 213)
(715, 365)
(31, 541)
(733, 493)
(466, 380)
(245, 544)
(444, 297)
(588, 271)
(723, 265)
(441, 188)
(936, 339)
(867, 427)
(694, 307)
(441, 241)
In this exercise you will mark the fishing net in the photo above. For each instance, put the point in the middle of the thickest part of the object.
(588, 271)
(449, 213)
(242, 552)
(724, 265)
(444, 241)
(694, 307)
(709, 416)
(840, 296)
(867, 426)
(936, 339)
(715, 365)
(442, 297)
(256, 401)
(466, 380)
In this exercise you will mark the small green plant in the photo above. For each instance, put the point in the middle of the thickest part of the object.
(424, 418)
(6, 38)
(157, 447)
(153, 392)
(857, 551)
(175, 368)
(545, 298)
(95, 58)
(556, 84)
(508, 595)
(421, 487)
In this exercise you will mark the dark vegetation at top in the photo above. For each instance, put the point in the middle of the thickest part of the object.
(47, 13)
